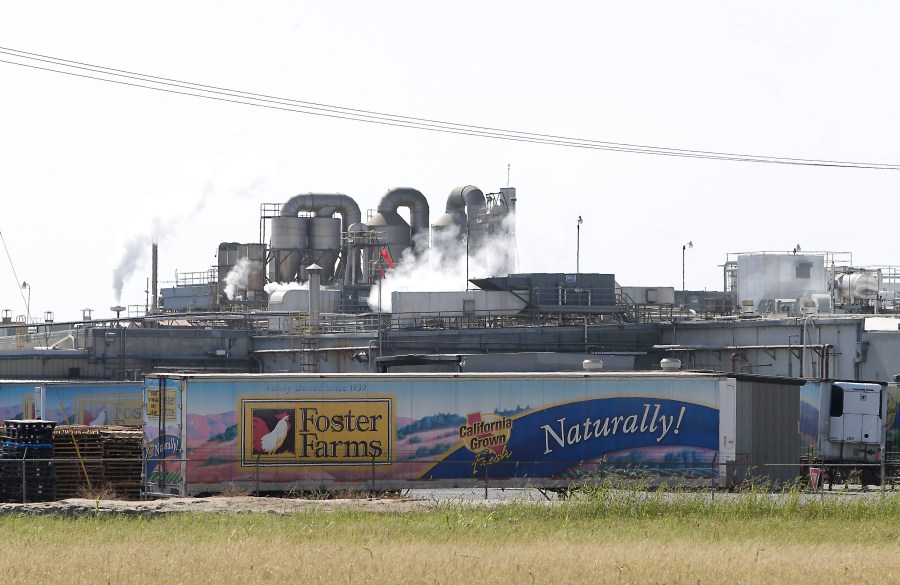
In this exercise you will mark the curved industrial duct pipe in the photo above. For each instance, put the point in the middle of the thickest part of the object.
(319, 202)
(414, 200)
(469, 197)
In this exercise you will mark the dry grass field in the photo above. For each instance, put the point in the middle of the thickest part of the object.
(607, 537)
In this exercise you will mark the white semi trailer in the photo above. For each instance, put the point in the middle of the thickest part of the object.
(206, 433)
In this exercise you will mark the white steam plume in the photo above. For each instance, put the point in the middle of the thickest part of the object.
(237, 278)
(137, 248)
(443, 266)
(273, 287)
(131, 256)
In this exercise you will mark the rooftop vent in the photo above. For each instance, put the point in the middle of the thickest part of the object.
(670, 364)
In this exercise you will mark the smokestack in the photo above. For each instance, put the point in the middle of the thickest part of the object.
(315, 301)
(154, 267)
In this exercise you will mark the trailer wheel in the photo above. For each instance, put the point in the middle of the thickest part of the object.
(869, 476)
(832, 474)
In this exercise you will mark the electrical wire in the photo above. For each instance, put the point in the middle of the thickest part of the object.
(19, 286)
(174, 86)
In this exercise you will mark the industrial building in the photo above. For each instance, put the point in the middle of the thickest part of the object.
(312, 296)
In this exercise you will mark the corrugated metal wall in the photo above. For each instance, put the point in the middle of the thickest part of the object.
(30, 367)
(768, 438)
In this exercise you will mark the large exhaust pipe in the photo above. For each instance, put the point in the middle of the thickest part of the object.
(415, 201)
(318, 202)
(469, 198)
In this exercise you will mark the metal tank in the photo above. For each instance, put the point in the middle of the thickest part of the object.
(289, 240)
(317, 241)
(858, 285)
(324, 246)
(445, 225)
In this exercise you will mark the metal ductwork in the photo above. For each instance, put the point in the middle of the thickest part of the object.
(299, 241)
(411, 198)
(464, 205)
(395, 233)
(469, 197)
(318, 202)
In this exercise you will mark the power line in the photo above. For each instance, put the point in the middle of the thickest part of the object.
(174, 86)
(19, 284)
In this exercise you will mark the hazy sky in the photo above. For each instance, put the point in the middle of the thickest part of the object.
(91, 171)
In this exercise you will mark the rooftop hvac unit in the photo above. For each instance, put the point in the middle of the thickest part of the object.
(592, 365)
(670, 364)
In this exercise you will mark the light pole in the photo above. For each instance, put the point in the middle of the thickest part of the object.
(25, 285)
(578, 246)
(683, 250)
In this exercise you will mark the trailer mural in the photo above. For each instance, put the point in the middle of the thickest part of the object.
(77, 403)
(163, 429)
(291, 430)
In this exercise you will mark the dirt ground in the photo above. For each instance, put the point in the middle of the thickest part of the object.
(221, 504)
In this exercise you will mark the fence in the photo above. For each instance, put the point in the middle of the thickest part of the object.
(71, 461)
(221, 474)
(122, 477)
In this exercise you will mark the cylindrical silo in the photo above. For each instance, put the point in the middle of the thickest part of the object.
(289, 241)
(324, 245)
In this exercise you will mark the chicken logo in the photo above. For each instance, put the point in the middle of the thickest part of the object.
(271, 432)
(96, 421)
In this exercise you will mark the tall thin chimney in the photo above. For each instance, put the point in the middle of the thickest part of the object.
(154, 273)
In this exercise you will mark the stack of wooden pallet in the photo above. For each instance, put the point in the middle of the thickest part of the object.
(104, 461)
(122, 456)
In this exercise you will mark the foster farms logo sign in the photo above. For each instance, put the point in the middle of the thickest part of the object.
(322, 431)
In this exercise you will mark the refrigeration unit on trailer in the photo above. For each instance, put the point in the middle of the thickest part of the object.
(844, 425)
(205, 433)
